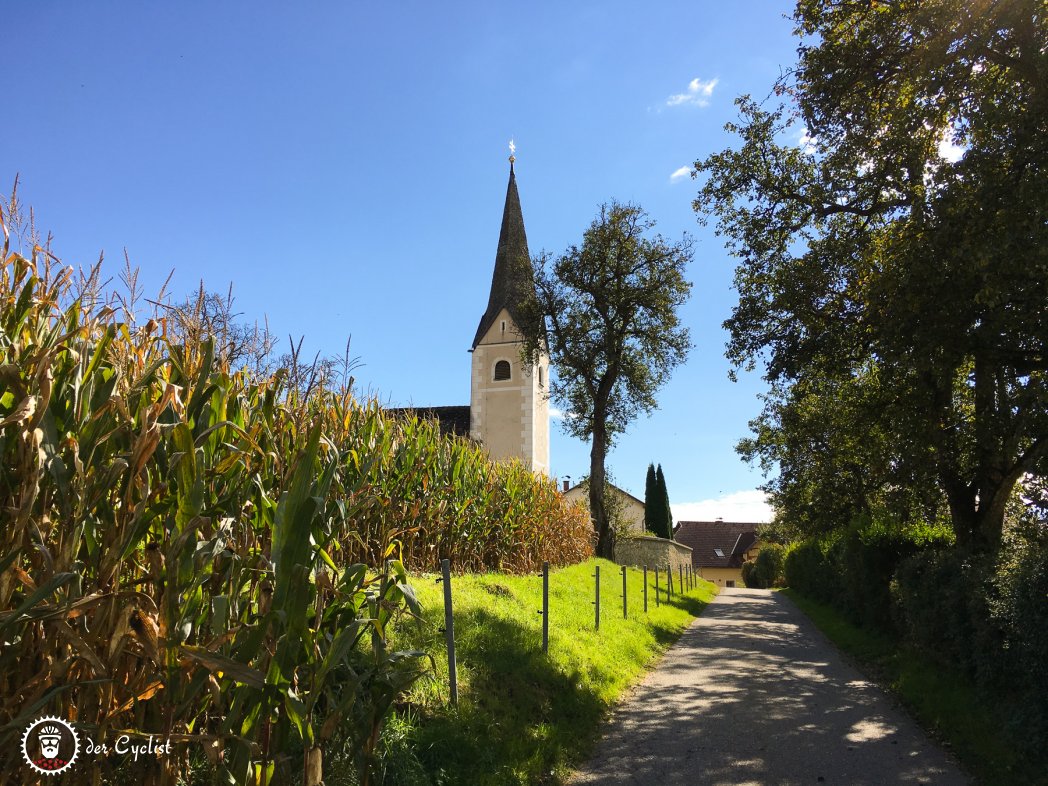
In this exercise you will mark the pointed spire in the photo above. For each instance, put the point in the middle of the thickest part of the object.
(512, 279)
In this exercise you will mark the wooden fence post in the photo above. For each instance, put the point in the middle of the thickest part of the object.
(645, 589)
(449, 630)
(545, 607)
(624, 592)
(596, 602)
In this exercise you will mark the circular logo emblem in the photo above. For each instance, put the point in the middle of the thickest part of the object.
(50, 745)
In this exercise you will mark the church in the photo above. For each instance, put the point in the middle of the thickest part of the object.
(508, 412)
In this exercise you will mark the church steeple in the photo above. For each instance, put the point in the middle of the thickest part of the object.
(512, 281)
(508, 402)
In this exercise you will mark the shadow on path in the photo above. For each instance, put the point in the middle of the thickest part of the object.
(754, 694)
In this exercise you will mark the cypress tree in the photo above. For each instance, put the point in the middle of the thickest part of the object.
(651, 490)
(666, 525)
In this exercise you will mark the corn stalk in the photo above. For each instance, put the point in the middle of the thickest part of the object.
(211, 555)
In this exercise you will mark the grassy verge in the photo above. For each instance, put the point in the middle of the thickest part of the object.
(524, 717)
(972, 725)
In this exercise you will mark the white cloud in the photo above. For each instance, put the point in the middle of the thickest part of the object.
(683, 172)
(697, 94)
(745, 506)
(560, 414)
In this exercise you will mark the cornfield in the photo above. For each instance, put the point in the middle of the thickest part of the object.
(212, 556)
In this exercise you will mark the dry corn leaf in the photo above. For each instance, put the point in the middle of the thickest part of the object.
(145, 694)
(22, 413)
(82, 648)
(116, 641)
(23, 577)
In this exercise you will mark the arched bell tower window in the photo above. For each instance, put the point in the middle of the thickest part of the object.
(502, 370)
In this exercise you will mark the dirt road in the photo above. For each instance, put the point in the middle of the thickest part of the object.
(754, 694)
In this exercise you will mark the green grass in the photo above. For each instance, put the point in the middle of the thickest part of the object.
(524, 717)
(973, 726)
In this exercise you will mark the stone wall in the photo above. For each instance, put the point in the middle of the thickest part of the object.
(651, 551)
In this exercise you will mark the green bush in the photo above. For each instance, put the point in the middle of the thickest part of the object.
(853, 570)
(984, 614)
(987, 615)
(767, 569)
(869, 557)
(747, 575)
(809, 569)
(1019, 608)
(940, 605)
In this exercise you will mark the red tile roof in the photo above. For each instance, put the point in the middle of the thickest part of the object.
(730, 538)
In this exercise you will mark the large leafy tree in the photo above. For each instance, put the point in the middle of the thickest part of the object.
(606, 311)
(890, 217)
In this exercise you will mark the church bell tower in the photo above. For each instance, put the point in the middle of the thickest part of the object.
(509, 407)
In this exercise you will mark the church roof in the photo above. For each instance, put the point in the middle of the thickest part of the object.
(512, 280)
(453, 421)
(584, 487)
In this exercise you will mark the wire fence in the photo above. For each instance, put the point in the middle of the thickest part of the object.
(686, 581)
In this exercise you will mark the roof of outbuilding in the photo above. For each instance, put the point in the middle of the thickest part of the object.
(732, 538)
(623, 492)
(452, 420)
(512, 279)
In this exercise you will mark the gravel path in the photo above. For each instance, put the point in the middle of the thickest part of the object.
(753, 693)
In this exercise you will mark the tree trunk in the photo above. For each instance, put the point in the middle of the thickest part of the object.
(605, 537)
(978, 516)
(976, 507)
(962, 511)
(999, 463)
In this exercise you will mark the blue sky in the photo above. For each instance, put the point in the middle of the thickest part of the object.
(343, 164)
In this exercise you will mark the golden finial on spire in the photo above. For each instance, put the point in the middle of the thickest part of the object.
(512, 150)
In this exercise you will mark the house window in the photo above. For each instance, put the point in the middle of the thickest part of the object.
(503, 326)
(541, 381)
(730, 583)
(718, 552)
(502, 370)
